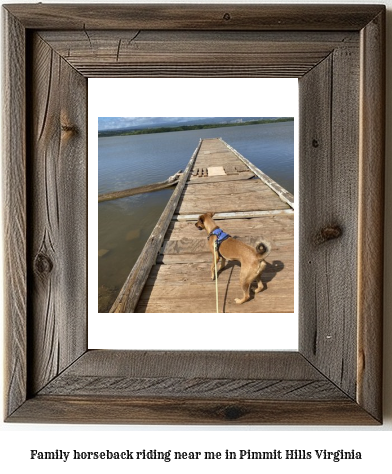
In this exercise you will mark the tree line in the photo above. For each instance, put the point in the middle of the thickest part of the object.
(183, 128)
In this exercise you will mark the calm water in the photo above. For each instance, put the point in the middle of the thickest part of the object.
(125, 162)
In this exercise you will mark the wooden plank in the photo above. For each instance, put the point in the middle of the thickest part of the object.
(14, 213)
(185, 278)
(198, 269)
(219, 370)
(276, 60)
(208, 305)
(284, 195)
(244, 175)
(127, 299)
(230, 203)
(278, 231)
(207, 387)
(194, 246)
(170, 410)
(216, 70)
(166, 289)
(191, 17)
(58, 224)
(256, 389)
(279, 237)
(124, 45)
(191, 375)
(215, 152)
(371, 217)
(171, 256)
(234, 215)
(170, 259)
(327, 264)
(226, 187)
(270, 222)
(207, 364)
(219, 53)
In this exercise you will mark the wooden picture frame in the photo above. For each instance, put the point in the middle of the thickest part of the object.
(337, 52)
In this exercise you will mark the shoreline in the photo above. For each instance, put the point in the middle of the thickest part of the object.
(183, 128)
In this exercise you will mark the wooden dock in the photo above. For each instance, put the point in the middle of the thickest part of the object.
(173, 272)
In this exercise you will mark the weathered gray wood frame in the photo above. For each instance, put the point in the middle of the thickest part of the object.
(337, 52)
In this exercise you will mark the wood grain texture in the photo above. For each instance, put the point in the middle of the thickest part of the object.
(233, 215)
(86, 39)
(190, 387)
(192, 17)
(371, 216)
(14, 213)
(123, 410)
(213, 364)
(57, 214)
(328, 267)
(189, 259)
(123, 53)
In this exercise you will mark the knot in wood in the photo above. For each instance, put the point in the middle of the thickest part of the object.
(328, 233)
(43, 264)
(315, 143)
(69, 128)
(227, 16)
(233, 412)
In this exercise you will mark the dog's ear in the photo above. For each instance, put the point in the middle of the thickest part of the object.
(201, 218)
(211, 214)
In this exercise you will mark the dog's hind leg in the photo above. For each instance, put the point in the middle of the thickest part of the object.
(245, 282)
(223, 263)
(260, 284)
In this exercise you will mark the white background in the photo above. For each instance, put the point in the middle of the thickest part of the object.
(170, 97)
(374, 442)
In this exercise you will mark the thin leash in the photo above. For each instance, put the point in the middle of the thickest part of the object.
(220, 237)
(216, 276)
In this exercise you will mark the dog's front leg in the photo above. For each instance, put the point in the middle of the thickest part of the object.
(215, 260)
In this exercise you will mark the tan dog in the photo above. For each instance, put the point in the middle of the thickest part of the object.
(251, 259)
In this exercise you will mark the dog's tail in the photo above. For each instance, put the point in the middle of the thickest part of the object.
(263, 248)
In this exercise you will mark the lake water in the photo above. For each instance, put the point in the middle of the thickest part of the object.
(124, 225)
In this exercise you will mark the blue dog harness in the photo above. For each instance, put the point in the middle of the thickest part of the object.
(220, 237)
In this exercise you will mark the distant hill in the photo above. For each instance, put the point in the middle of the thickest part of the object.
(214, 122)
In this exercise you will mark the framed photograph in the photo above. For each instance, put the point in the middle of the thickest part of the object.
(176, 291)
(337, 53)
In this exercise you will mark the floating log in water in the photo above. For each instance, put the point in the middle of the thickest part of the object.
(172, 181)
